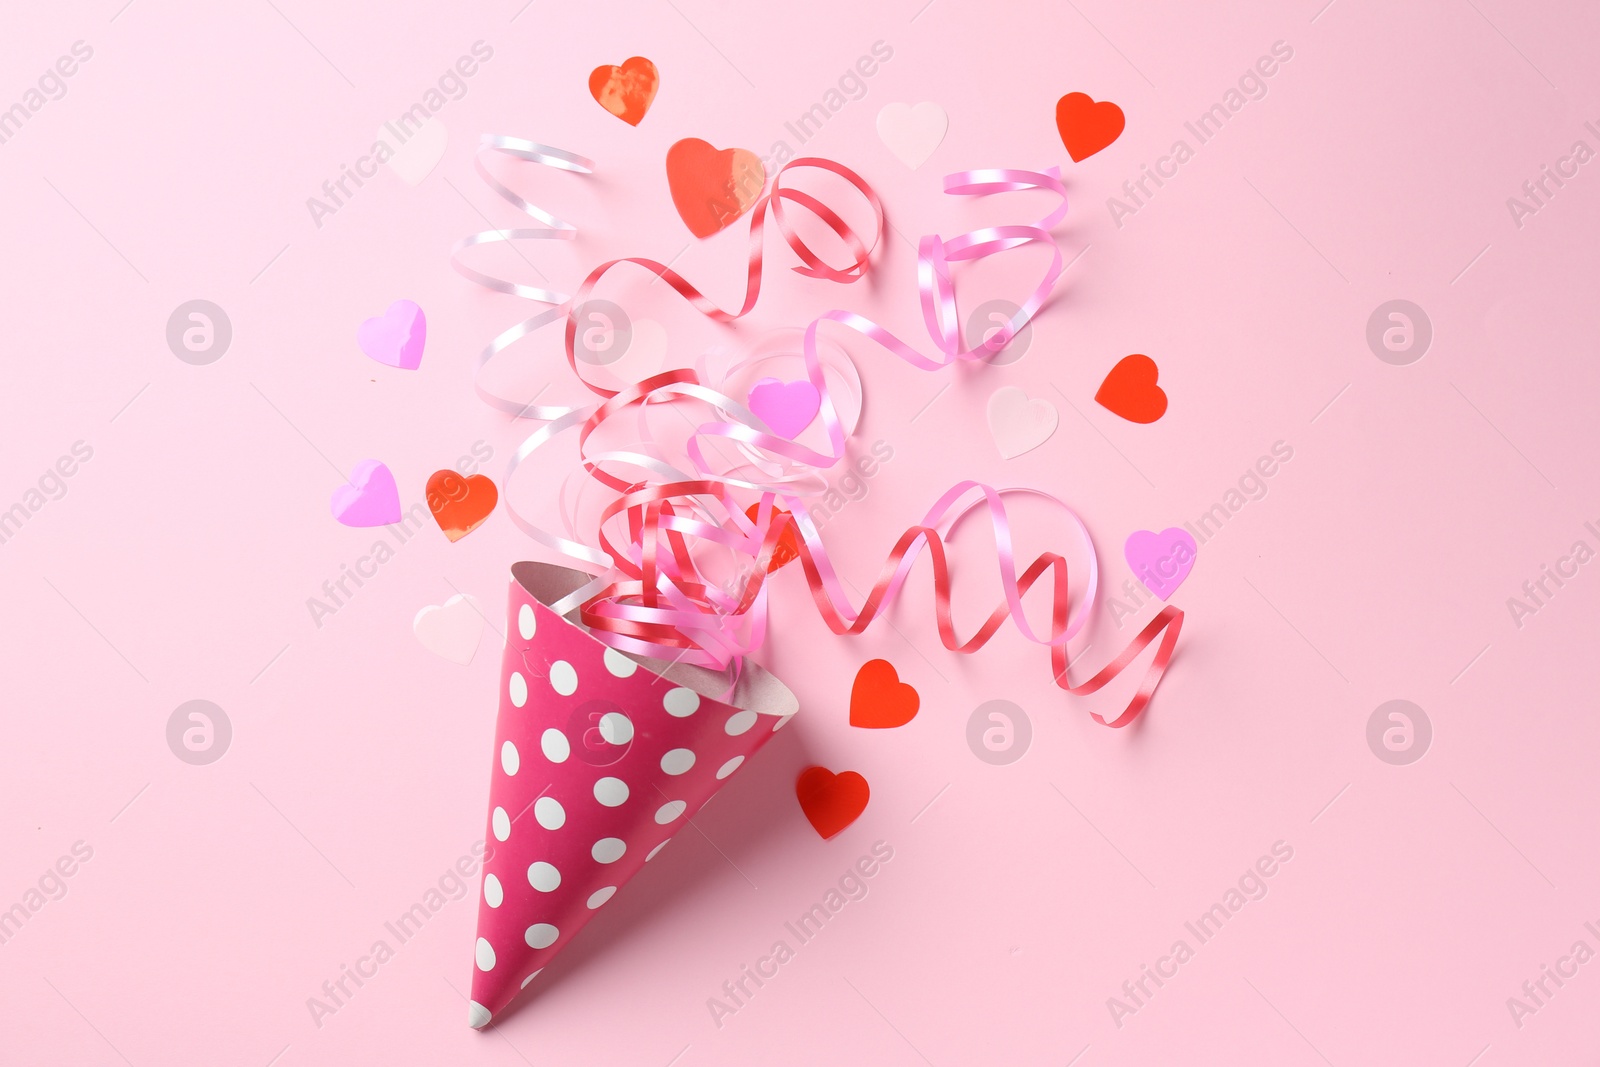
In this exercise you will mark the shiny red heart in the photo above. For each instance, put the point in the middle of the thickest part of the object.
(710, 187)
(787, 550)
(1086, 125)
(1130, 390)
(626, 91)
(831, 801)
(459, 504)
(879, 699)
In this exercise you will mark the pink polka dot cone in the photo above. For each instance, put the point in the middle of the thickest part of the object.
(598, 761)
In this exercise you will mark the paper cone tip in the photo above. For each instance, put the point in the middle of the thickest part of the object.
(598, 761)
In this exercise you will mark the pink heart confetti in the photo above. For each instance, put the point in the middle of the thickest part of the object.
(371, 498)
(1019, 424)
(787, 407)
(1160, 560)
(396, 337)
(912, 133)
(451, 629)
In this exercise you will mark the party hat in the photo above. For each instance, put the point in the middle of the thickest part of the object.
(599, 758)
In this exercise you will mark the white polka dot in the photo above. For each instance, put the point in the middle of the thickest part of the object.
(729, 767)
(739, 722)
(543, 876)
(600, 896)
(611, 791)
(519, 689)
(563, 678)
(669, 811)
(620, 665)
(485, 955)
(555, 745)
(781, 723)
(502, 824)
(541, 935)
(477, 1015)
(509, 759)
(608, 850)
(530, 978)
(526, 621)
(677, 761)
(616, 728)
(653, 851)
(680, 702)
(493, 894)
(549, 812)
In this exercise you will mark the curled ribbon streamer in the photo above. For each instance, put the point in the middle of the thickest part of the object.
(553, 229)
(814, 266)
(934, 255)
(651, 595)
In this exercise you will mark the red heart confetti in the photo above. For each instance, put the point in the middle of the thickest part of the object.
(1130, 390)
(831, 801)
(879, 699)
(626, 91)
(1086, 126)
(460, 505)
(710, 187)
(787, 550)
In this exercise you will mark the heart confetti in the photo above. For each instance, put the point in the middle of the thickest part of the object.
(417, 153)
(831, 801)
(1019, 424)
(371, 499)
(787, 407)
(626, 91)
(879, 699)
(451, 629)
(788, 547)
(396, 337)
(1161, 561)
(1087, 126)
(1130, 390)
(712, 188)
(912, 133)
(460, 505)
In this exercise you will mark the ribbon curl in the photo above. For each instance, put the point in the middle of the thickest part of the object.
(656, 540)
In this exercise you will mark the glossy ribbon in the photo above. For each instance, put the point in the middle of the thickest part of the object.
(657, 540)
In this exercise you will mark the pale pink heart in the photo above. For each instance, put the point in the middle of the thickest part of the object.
(451, 629)
(416, 153)
(1019, 424)
(787, 407)
(371, 498)
(396, 337)
(1160, 560)
(912, 133)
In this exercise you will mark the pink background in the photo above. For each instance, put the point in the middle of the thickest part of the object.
(1419, 498)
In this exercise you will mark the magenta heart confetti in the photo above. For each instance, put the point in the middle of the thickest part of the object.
(1160, 560)
(396, 337)
(371, 498)
(787, 407)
